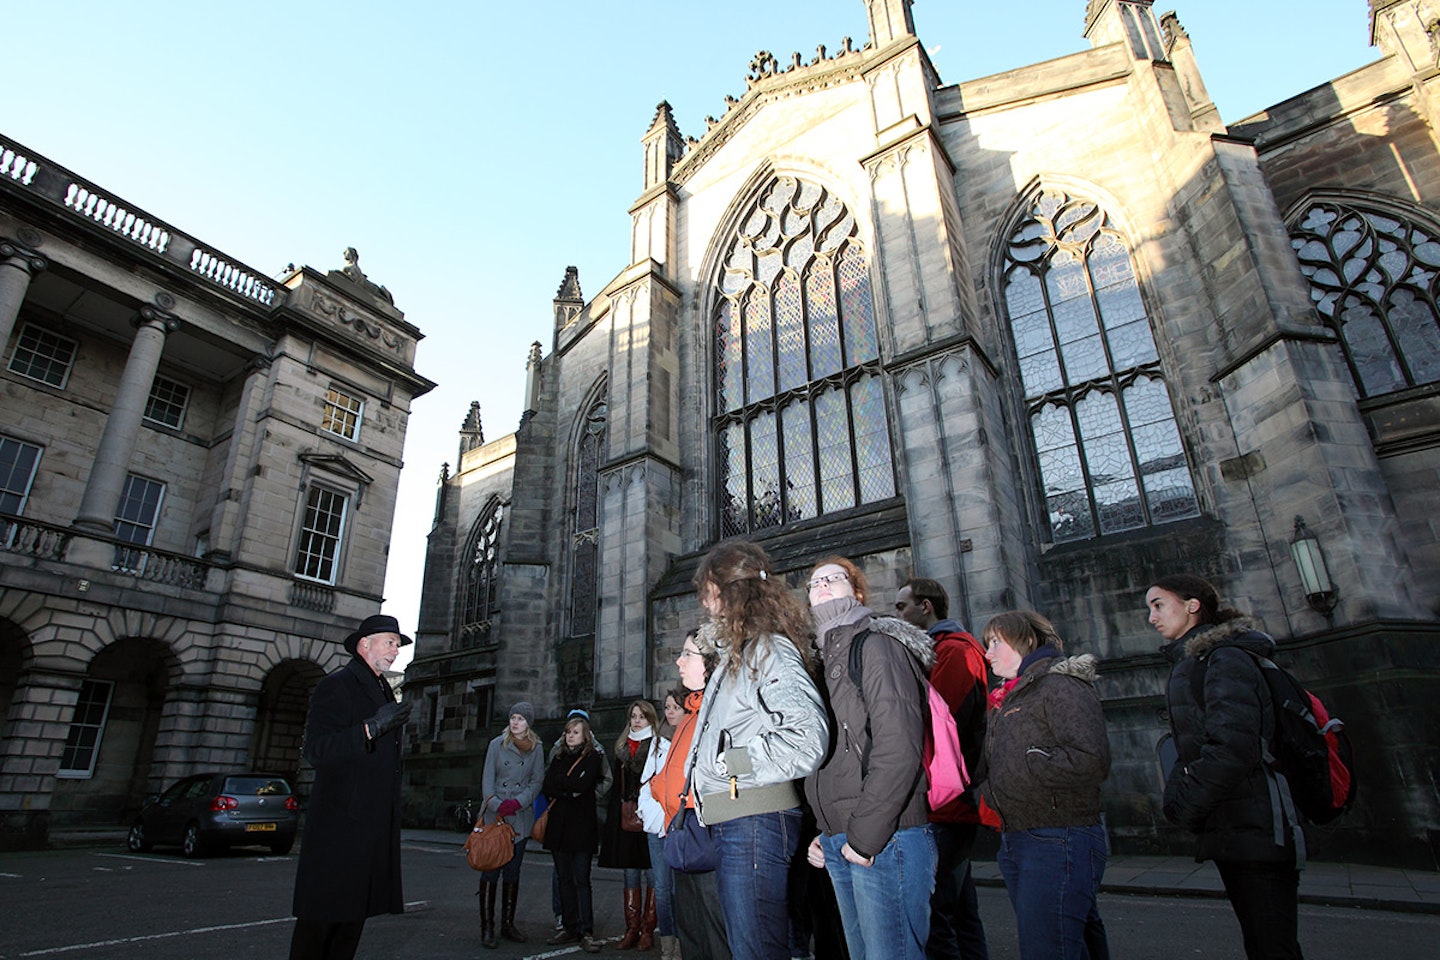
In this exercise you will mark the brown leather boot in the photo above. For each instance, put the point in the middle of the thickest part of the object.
(632, 919)
(509, 893)
(487, 914)
(647, 922)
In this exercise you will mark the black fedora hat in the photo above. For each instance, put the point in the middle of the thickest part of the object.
(375, 623)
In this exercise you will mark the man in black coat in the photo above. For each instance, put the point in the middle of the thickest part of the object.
(350, 852)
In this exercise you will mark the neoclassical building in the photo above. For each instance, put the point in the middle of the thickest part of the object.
(1043, 336)
(198, 467)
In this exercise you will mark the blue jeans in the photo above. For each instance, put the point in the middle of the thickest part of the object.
(664, 887)
(1053, 877)
(754, 862)
(885, 907)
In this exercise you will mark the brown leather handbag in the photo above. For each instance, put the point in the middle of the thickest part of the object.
(490, 845)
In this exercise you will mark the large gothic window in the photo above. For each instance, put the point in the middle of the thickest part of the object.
(1103, 425)
(800, 422)
(1373, 278)
(480, 577)
(576, 655)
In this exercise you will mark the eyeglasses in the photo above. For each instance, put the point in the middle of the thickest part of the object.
(827, 579)
(691, 653)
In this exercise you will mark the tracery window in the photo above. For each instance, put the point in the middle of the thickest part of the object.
(576, 655)
(480, 587)
(800, 427)
(1103, 425)
(1373, 278)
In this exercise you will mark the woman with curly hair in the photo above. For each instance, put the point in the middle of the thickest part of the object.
(763, 729)
(625, 846)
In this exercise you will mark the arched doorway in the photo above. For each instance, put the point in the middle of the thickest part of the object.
(280, 722)
(105, 765)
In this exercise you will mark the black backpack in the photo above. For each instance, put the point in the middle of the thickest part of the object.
(1310, 749)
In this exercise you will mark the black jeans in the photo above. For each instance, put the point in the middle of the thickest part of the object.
(1266, 898)
(317, 940)
(956, 932)
(573, 869)
(698, 922)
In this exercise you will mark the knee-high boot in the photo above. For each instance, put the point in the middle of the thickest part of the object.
(632, 919)
(648, 920)
(487, 914)
(509, 893)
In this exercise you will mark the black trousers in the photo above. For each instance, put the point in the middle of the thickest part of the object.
(1266, 899)
(318, 940)
(698, 922)
(956, 932)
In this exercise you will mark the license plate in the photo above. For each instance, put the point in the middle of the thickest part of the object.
(259, 827)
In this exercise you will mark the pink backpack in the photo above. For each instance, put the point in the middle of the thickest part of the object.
(944, 764)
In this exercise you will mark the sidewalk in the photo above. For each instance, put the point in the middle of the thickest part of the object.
(1326, 884)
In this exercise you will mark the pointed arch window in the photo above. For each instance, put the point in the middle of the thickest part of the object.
(800, 427)
(576, 655)
(480, 587)
(1373, 278)
(1103, 426)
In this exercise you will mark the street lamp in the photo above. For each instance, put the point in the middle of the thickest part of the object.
(1309, 559)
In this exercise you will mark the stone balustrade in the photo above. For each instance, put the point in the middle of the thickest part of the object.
(82, 199)
(46, 541)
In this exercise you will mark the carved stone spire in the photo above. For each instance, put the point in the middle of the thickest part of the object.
(663, 146)
(472, 434)
(569, 301)
(1130, 22)
(532, 382)
(890, 20)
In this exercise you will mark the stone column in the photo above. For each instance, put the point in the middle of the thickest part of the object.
(117, 442)
(18, 263)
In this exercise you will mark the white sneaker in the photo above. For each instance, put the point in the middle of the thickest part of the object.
(559, 922)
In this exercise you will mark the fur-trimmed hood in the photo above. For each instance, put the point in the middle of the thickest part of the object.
(1081, 667)
(920, 644)
(1238, 632)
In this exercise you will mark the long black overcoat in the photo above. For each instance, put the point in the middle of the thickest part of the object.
(573, 826)
(350, 850)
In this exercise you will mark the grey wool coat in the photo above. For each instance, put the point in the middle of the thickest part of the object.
(511, 774)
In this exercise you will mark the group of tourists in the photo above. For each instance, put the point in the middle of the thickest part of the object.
(792, 754)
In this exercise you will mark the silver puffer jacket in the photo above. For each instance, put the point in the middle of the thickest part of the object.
(761, 729)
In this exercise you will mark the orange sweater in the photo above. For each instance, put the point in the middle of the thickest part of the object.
(667, 784)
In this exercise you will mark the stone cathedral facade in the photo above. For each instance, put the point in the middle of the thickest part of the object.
(1043, 336)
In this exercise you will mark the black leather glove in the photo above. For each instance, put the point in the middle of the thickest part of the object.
(387, 718)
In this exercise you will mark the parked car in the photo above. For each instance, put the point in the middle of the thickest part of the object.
(210, 811)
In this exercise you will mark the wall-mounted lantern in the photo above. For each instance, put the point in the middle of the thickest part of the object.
(1315, 580)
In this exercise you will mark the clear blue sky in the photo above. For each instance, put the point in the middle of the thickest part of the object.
(471, 150)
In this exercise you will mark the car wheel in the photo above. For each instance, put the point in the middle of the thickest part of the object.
(136, 839)
(282, 847)
(191, 845)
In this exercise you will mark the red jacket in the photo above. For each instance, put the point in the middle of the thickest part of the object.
(960, 676)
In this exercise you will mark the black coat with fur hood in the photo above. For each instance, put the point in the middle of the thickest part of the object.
(1220, 788)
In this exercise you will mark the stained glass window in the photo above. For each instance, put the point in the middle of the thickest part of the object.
(1373, 278)
(1102, 422)
(480, 586)
(800, 429)
(576, 654)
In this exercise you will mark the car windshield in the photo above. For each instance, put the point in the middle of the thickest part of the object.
(256, 786)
